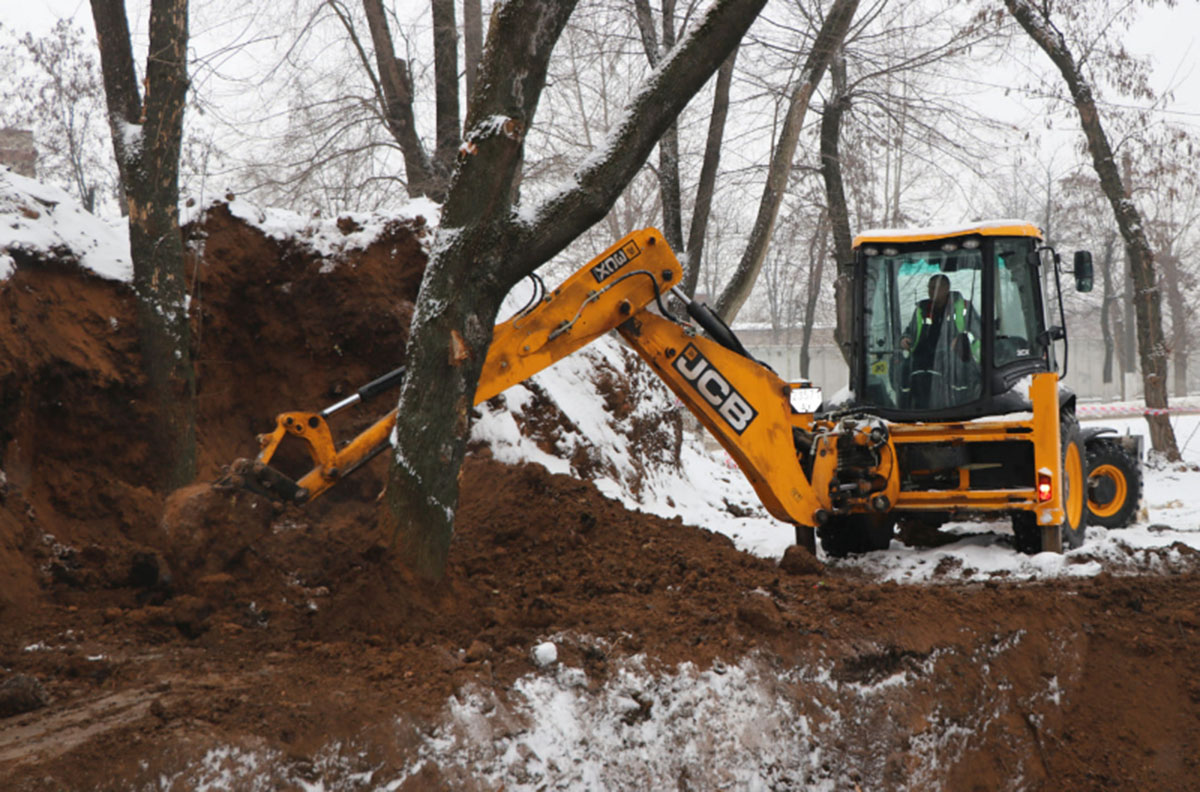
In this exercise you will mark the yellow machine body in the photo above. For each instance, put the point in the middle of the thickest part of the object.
(790, 457)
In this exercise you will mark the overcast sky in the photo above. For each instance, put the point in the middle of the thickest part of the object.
(1168, 36)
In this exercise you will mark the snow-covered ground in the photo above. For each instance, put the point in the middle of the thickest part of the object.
(39, 217)
(725, 727)
(708, 484)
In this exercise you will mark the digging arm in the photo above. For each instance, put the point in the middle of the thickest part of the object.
(740, 401)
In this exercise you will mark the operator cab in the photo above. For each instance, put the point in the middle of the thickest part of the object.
(948, 321)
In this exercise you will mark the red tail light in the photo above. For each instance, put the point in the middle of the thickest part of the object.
(1045, 488)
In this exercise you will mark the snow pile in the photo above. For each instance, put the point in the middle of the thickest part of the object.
(706, 489)
(324, 236)
(38, 220)
(731, 727)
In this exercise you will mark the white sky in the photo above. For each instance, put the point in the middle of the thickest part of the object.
(1166, 35)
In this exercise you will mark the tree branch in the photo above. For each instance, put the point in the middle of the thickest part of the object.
(832, 33)
(602, 176)
(398, 109)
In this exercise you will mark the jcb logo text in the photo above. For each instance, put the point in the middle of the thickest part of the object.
(715, 389)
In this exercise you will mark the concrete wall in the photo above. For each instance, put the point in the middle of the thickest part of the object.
(1085, 369)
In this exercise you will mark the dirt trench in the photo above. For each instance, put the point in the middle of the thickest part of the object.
(139, 634)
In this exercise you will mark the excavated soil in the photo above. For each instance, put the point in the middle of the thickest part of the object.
(139, 630)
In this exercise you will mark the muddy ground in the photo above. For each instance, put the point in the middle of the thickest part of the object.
(140, 630)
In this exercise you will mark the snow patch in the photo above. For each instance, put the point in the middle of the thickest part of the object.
(46, 221)
(708, 490)
(545, 654)
(325, 236)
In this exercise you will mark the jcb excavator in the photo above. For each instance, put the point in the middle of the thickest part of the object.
(954, 408)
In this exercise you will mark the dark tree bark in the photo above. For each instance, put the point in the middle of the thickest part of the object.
(829, 38)
(472, 42)
(668, 146)
(1129, 330)
(445, 80)
(483, 247)
(146, 140)
(1106, 265)
(394, 89)
(427, 176)
(839, 212)
(1180, 318)
(816, 271)
(1152, 348)
(706, 187)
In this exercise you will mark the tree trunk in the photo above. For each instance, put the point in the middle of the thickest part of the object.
(828, 39)
(1179, 319)
(146, 141)
(816, 272)
(1151, 345)
(472, 42)
(445, 82)
(708, 176)
(395, 96)
(668, 146)
(1106, 264)
(839, 212)
(483, 248)
(1129, 331)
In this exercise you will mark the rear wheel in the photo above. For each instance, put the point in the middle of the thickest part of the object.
(1033, 538)
(856, 533)
(1114, 484)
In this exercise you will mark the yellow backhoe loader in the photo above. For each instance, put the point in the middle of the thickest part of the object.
(955, 407)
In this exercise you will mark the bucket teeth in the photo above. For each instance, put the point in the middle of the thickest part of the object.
(252, 475)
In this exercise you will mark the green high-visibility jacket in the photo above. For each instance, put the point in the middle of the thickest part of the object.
(959, 309)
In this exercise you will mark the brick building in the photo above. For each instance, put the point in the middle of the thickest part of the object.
(17, 151)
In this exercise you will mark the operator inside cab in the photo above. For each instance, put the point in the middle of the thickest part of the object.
(942, 343)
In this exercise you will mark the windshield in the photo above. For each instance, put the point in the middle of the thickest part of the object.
(923, 328)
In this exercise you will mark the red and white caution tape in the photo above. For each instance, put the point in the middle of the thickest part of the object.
(1133, 410)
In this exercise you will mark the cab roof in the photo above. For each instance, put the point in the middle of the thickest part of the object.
(881, 236)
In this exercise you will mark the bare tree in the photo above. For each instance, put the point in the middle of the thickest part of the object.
(832, 31)
(483, 248)
(146, 134)
(61, 98)
(706, 186)
(1037, 21)
(883, 94)
(394, 90)
(472, 42)
(1161, 176)
(668, 145)
(839, 214)
(818, 252)
(689, 249)
(1083, 214)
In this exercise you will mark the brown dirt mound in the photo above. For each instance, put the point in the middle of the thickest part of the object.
(159, 628)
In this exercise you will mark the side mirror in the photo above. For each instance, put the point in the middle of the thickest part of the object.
(1083, 271)
(1051, 334)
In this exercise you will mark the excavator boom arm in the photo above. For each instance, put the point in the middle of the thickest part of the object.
(803, 469)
